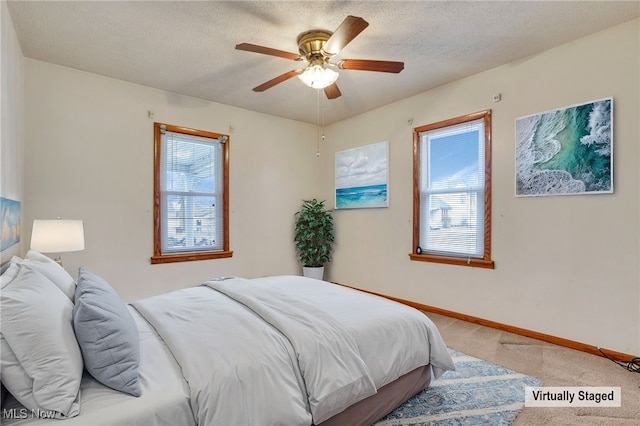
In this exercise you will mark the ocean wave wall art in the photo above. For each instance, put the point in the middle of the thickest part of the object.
(362, 176)
(566, 151)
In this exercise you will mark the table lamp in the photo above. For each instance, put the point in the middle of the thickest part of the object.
(57, 236)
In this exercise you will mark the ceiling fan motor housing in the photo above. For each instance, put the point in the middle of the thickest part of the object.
(310, 44)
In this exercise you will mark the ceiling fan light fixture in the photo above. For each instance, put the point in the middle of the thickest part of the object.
(318, 77)
(317, 48)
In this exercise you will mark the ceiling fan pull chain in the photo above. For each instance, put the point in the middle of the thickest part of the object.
(318, 126)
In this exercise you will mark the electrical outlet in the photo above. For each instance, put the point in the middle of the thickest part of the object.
(497, 97)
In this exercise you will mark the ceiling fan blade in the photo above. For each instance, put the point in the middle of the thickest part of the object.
(279, 79)
(369, 65)
(347, 31)
(267, 51)
(332, 91)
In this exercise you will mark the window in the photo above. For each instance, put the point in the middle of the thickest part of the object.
(191, 197)
(452, 191)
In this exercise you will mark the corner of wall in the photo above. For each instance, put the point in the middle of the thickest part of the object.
(12, 120)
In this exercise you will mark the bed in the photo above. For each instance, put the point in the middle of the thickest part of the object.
(282, 350)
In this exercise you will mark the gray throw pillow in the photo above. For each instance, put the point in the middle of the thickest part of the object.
(107, 334)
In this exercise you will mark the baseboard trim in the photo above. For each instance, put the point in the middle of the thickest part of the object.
(571, 344)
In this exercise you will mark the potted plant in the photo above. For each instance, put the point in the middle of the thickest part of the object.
(313, 235)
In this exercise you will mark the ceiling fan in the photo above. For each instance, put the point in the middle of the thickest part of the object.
(316, 48)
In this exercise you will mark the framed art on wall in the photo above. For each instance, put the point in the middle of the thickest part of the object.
(10, 223)
(362, 176)
(566, 151)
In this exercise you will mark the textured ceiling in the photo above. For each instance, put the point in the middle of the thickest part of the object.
(188, 47)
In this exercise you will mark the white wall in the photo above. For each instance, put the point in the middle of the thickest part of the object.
(89, 155)
(11, 118)
(567, 265)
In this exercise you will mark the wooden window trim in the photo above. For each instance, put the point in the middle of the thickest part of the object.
(158, 257)
(486, 261)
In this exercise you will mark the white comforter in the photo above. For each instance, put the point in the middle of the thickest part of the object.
(240, 370)
(288, 350)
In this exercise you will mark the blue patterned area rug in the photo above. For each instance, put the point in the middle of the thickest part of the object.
(477, 393)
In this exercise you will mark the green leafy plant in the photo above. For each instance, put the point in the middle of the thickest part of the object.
(313, 233)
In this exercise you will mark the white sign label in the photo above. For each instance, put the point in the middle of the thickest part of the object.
(572, 396)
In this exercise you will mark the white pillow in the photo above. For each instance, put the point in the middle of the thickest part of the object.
(14, 378)
(37, 326)
(52, 270)
(11, 371)
(11, 272)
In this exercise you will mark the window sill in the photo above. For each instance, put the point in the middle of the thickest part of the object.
(188, 257)
(477, 263)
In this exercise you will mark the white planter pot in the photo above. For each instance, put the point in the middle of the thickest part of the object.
(317, 272)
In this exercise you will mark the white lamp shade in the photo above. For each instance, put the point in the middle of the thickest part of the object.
(318, 77)
(57, 236)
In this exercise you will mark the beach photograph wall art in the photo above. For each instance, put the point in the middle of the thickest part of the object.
(362, 176)
(566, 151)
(10, 228)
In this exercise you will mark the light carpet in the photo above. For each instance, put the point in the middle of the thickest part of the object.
(477, 393)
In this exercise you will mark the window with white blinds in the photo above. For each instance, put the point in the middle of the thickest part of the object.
(452, 191)
(191, 199)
